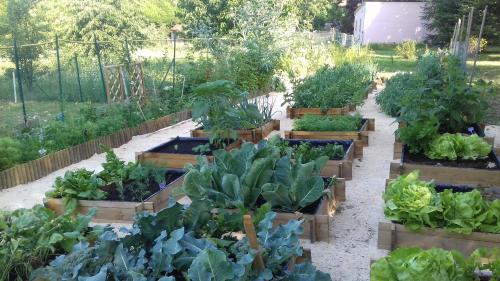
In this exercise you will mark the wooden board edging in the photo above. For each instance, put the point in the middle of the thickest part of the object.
(41, 167)
(393, 235)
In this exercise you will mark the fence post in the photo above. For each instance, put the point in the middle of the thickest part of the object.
(14, 86)
(19, 81)
(98, 53)
(173, 68)
(127, 50)
(59, 77)
(78, 77)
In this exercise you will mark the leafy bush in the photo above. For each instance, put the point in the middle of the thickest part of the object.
(221, 108)
(473, 45)
(168, 246)
(328, 123)
(237, 179)
(458, 146)
(10, 153)
(415, 264)
(415, 204)
(442, 98)
(333, 87)
(407, 50)
(29, 238)
(397, 89)
(133, 177)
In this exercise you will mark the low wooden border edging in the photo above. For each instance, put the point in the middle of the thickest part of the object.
(252, 135)
(393, 235)
(41, 167)
(118, 211)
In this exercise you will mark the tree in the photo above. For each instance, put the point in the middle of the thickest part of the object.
(442, 15)
(313, 14)
(22, 21)
(109, 20)
(160, 12)
(209, 17)
(348, 23)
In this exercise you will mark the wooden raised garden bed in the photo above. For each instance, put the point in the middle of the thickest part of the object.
(341, 168)
(393, 235)
(123, 211)
(176, 153)
(453, 172)
(292, 112)
(317, 218)
(359, 137)
(251, 135)
(398, 145)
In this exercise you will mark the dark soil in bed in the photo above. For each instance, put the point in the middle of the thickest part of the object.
(186, 146)
(490, 163)
(152, 188)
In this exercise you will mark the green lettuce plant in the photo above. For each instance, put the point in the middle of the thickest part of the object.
(75, 185)
(415, 264)
(306, 151)
(458, 146)
(416, 204)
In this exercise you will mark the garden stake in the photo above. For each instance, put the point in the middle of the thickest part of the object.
(19, 81)
(254, 243)
(478, 45)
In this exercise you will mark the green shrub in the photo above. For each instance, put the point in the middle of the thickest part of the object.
(328, 123)
(10, 153)
(333, 87)
(473, 45)
(407, 50)
(397, 89)
(30, 238)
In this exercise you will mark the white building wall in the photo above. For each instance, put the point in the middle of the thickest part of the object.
(390, 22)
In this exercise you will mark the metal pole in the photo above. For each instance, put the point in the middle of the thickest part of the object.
(478, 46)
(14, 85)
(78, 77)
(98, 53)
(19, 81)
(59, 77)
(173, 69)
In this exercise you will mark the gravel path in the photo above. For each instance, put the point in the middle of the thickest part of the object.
(354, 228)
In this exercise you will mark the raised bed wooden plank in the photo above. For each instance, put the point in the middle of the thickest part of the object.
(392, 235)
(117, 211)
(361, 135)
(292, 112)
(252, 135)
(451, 175)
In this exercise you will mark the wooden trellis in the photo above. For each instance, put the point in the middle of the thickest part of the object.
(122, 83)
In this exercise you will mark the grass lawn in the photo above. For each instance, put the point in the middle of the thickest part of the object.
(488, 68)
